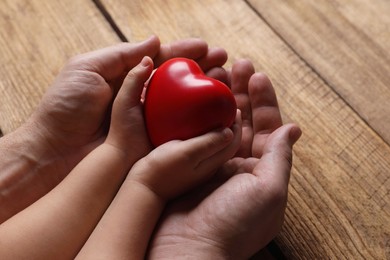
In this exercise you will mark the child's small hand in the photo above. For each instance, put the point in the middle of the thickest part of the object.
(166, 172)
(127, 130)
(177, 166)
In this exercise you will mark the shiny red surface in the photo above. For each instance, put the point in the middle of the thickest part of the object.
(181, 102)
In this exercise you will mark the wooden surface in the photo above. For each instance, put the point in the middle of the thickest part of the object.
(330, 65)
(36, 39)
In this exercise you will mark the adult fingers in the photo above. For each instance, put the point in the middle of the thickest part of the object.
(242, 70)
(265, 113)
(241, 73)
(218, 73)
(189, 48)
(195, 49)
(215, 57)
(112, 62)
(275, 164)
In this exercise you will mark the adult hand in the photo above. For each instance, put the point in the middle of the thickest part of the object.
(74, 114)
(242, 208)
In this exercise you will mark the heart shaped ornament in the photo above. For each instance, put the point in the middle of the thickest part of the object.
(181, 102)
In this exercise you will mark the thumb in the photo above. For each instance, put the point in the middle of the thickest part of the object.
(133, 84)
(275, 164)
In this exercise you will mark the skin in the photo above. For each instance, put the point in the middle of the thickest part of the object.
(165, 173)
(65, 217)
(233, 215)
(242, 208)
(73, 117)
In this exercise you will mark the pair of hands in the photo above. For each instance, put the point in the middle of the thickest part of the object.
(238, 211)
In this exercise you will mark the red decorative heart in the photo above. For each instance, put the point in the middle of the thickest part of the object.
(181, 102)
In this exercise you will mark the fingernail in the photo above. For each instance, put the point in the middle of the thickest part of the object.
(145, 61)
(239, 114)
(227, 134)
(294, 134)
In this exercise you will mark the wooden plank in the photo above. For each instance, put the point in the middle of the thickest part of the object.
(347, 43)
(36, 39)
(339, 195)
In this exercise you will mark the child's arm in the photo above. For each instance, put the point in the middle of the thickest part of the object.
(168, 171)
(57, 225)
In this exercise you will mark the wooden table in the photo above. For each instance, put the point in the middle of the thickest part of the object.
(330, 65)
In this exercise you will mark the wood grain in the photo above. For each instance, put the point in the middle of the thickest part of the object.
(347, 44)
(339, 194)
(329, 62)
(36, 39)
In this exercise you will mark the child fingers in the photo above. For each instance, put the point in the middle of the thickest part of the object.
(213, 149)
(133, 83)
(201, 147)
(216, 160)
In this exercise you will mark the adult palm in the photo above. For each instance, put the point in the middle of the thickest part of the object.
(74, 114)
(73, 117)
(242, 208)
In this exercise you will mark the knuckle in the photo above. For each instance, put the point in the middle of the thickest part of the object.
(213, 141)
(90, 78)
(132, 74)
(82, 62)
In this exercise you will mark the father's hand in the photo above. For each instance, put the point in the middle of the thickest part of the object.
(74, 114)
(242, 209)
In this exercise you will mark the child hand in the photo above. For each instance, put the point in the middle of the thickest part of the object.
(245, 201)
(177, 166)
(127, 130)
(168, 171)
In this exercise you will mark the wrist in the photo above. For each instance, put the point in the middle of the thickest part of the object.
(128, 157)
(132, 149)
(25, 166)
(145, 208)
(142, 189)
